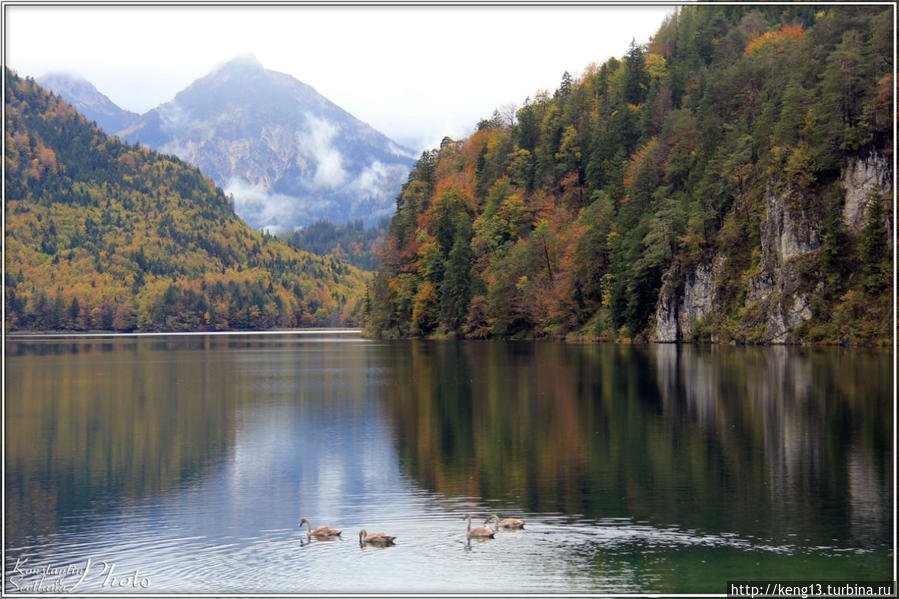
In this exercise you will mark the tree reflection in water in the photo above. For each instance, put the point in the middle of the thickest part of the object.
(763, 441)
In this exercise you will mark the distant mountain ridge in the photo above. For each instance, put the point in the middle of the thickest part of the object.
(287, 154)
(88, 100)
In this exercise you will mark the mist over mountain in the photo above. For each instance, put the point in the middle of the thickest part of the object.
(286, 154)
(89, 101)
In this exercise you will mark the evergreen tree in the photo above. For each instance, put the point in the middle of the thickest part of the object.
(456, 288)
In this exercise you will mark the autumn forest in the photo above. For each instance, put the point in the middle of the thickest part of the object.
(640, 194)
(102, 235)
(699, 182)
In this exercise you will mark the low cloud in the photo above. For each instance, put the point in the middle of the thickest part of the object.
(315, 141)
(372, 185)
(371, 180)
(273, 212)
(331, 190)
(402, 152)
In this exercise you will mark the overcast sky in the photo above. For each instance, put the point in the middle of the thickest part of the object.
(415, 73)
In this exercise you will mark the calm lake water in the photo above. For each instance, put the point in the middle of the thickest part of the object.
(184, 463)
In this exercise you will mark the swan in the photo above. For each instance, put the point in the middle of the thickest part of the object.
(321, 531)
(481, 532)
(505, 522)
(375, 538)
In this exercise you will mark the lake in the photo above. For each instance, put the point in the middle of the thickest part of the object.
(176, 464)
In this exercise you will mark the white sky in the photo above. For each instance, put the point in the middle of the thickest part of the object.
(415, 73)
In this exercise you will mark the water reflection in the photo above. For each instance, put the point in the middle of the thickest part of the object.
(193, 459)
(770, 442)
(89, 422)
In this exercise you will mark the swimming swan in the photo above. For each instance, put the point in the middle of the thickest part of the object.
(321, 531)
(375, 538)
(505, 522)
(481, 532)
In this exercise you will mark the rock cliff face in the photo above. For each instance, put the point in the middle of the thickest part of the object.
(687, 300)
(861, 176)
(778, 289)
(776, 300)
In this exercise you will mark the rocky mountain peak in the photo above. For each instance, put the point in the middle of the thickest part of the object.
(288, 155)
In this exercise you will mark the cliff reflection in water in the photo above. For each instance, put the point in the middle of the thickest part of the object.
(770, 442)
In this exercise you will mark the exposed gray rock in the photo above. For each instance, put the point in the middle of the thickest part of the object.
(666, 330)
(777, 303)
(699, 296)
(787, 233)
(861, 176)
(684, 302)
(785, 315)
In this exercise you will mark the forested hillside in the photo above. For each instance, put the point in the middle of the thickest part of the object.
(103, 235)
(728, 181)
(351, 242)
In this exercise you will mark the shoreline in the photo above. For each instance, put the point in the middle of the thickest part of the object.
(363, 334)
(571, 339)
(97, 334)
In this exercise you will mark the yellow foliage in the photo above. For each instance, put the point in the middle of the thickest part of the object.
(792, 32)
(655, 66)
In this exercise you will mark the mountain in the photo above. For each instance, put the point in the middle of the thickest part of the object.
(104, 235)
(729, 181)
(89, 101)
(286, 154)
